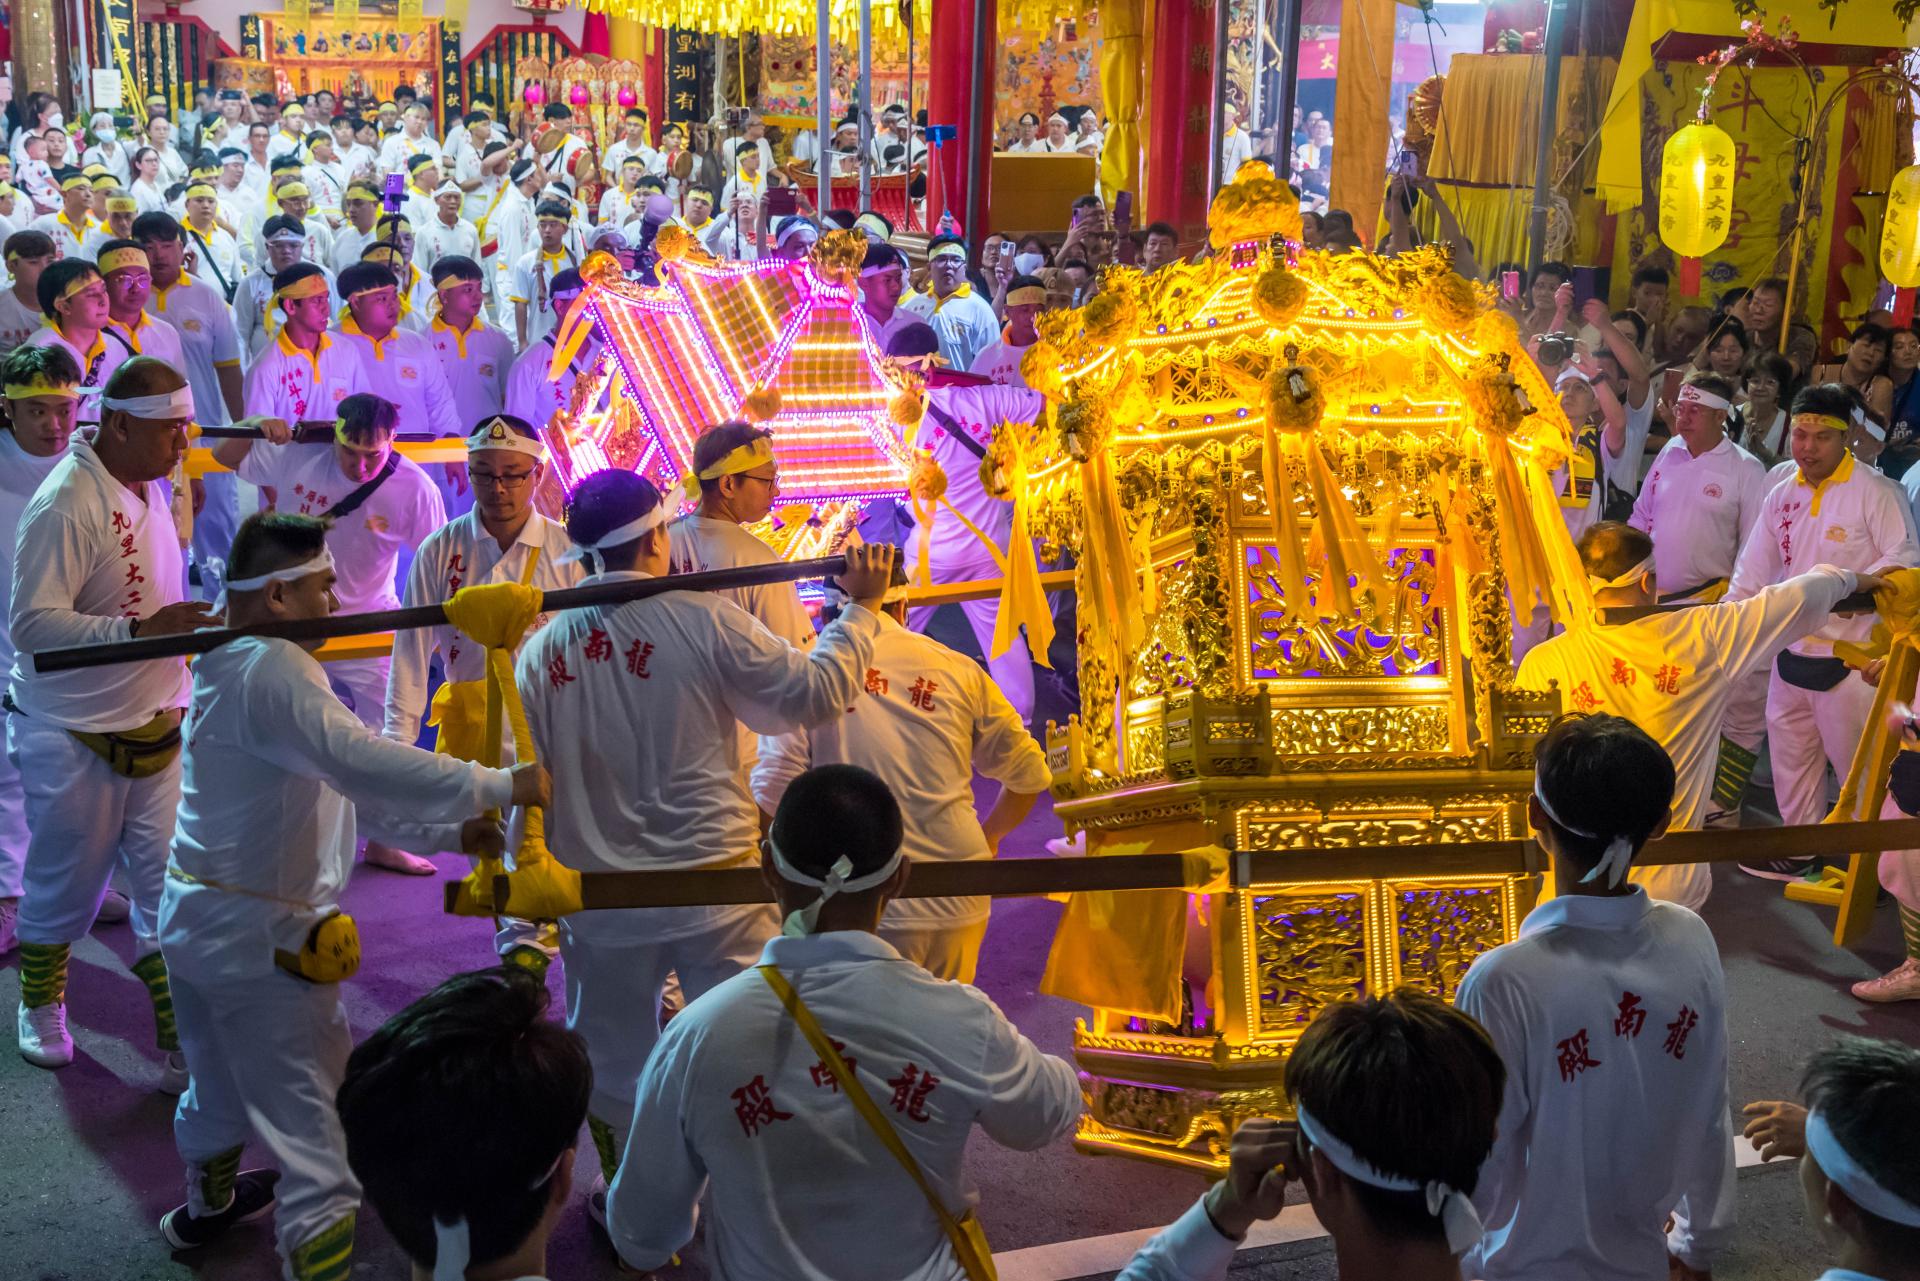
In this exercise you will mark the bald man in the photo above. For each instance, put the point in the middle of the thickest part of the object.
(98, 750)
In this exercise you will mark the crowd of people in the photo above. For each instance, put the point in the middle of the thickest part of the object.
(320, 275)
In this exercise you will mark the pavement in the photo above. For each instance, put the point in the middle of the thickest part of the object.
(89, 1165)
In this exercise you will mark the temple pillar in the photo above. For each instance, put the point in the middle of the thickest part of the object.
(953, 99)
(1180, 87)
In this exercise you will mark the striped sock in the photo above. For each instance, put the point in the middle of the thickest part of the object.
(326, 1257)
(1910, 930)
(43, 973)
(216, 1179)
(1731, 774)
(607, 1144)
(151, 969)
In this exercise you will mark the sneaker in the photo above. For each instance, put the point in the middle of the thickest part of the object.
(9, 924)
(1786, 869)
(1901, 983)
(173, 1074)
(252, 1197)
(597, 1202)
(114, 908)
(43, 1035)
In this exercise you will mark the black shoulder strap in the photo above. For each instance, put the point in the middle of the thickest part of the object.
(352, 502)
(953, 428)
(214, 263)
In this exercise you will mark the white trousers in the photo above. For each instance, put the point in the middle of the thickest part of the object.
(86, 820)
(1807, 730)
(1745, 722)
(267, 1056)
(13, 829)
(361, 684)
(1013, 670)
(613, 992)
(951, 953)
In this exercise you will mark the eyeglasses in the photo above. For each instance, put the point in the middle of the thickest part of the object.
(508, 481)
(774, 479)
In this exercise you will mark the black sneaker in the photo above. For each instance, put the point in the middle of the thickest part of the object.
(1786, 869)
(252, 1197)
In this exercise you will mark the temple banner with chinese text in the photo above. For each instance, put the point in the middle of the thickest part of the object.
(324, 53)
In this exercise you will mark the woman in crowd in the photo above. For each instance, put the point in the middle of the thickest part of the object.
(1864, 369)
(1725, 353)
(1760, 423)
(1903, 417)
(145, 188)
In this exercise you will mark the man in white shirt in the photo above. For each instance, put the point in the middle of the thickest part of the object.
(74, 299)
(475, 357)
(511, 227)
(380, 503)
(1236, 148)
(358, 160)
(632, 143)
(1832, 510)
(625, 203)
(634, 706)
(928, 719)
(362, 206)
(400, 151)
(737, 1103)
(28, 253)
(736, 481)
(392, 248)
(482, 175)
(558, 161)
(303, 375)
(211, 348)
(501, 540)
(297, 204)
(288, 139)
(1699, 501)
(1026, 134)
(327, 178)
(217, 258)
(402, 366)
(257, 305)
(963, 321)
(957, 429)
(446, 233)
(534, 392)
(532, 287)
(129, 277)
(278, 777)
(883, 278)
(68, 226)
(1676, 674)
(98, 560)
(42, 393)
(999, 361)
(1609, 1010)
(118, 210)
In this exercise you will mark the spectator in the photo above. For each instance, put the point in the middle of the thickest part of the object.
(1762, 311)
(1684, 333)
(1903, 415)
(964, 321)
(1647, 299)
(775, 1136)
(457, 1195)
(1162, 246)
(1617, 1128)
(1549, 300)
(1863, 369)
(1761, 423)
(1725, 353)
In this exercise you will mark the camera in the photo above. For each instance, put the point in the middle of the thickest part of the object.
(1556, 349)
(736, 119)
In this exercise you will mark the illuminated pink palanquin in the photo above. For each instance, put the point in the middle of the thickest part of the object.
(692, 351)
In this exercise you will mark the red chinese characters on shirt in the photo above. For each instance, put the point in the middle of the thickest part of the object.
(876, 683)
(1583, 698)
(823, 1077)
(1631, 1017)
(456, 571)
(130, 596)
(557, 674)
(1677, 1032)
(753, 1107)
(637, 655)
(599, 648)
(1667, 679)
(1573, 1056)
(910, 1091)
(1622, 674)
(922, 692)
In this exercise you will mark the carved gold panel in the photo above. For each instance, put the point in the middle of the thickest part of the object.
(1439, 927)
(1309, 949)
(1403, 635)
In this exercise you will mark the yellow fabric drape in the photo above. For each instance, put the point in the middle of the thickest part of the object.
(626, 39)
(1123, 65)
(1360, 105)
(1619, 180)
(498, 615)
(1485, 142)
(1123, 950)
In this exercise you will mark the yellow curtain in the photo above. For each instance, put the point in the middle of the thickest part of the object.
(1123, 67)
(626, 39)
(1619, 179)
(1485, 142)
(1365, 77)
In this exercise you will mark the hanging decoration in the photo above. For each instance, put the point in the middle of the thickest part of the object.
(770, 17)
(1900, 241)
(1696, 196)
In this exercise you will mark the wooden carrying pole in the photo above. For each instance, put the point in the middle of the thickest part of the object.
(1018, 877)
(617, 592)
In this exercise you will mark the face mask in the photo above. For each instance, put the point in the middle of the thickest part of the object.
(56, 121)
(104, 133)
(1027, 264)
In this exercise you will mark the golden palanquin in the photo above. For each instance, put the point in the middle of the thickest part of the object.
(1333, 675)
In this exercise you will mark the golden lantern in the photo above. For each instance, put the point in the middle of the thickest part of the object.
(1900, 240)
(1696, 196)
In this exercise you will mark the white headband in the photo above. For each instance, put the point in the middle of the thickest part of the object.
(497, 433)
(1691, 394)
(633, 529)
(800, 922)
(177, 403)
(1452, 1207)
(1861, 1188)
(1613, 861)
(452, 1244)
(1625, 578)
(290, 574)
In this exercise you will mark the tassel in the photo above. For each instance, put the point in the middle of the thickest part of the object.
(1292, 572)
(1690, 277)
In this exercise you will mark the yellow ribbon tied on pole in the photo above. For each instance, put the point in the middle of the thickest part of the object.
(497, 616)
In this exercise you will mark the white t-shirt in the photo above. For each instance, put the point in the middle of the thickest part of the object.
(288, 382)
(367, 543)
(207, 340)
(476, 364)
(1000, 362)
(18, 320)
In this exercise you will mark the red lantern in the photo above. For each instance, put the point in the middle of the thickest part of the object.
(536, 93)
(627, 97)
(579, 95)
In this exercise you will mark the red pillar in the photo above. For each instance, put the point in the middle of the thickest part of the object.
(1181, 84)
(950, 94)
